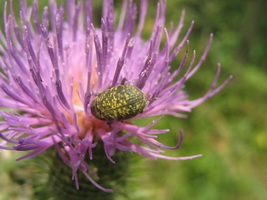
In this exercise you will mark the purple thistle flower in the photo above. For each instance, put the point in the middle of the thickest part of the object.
(50, 78)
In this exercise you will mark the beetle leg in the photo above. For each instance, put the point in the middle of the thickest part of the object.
(94, 93)
(109, 124)
(151, 100)
(123, 81)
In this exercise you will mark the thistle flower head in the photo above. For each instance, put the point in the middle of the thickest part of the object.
(53, 69)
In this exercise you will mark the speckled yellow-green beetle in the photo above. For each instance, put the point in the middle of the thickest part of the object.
(119, 103)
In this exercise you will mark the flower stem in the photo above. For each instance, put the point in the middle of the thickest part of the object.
(58, 185)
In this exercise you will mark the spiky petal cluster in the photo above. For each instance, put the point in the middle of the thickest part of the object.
(52, 69)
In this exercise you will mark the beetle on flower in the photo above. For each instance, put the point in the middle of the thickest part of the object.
(51, 78)
(119, 103)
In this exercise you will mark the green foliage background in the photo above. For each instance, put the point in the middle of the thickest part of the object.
(230, 130)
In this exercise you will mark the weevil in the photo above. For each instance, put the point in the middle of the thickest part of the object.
(119, 103)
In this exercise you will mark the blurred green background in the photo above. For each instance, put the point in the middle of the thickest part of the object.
(230, 129)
